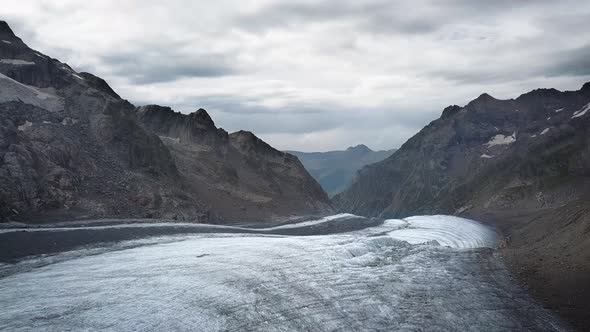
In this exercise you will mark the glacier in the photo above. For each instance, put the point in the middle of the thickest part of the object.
(417, 273)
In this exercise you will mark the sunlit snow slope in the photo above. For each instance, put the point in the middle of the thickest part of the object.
(378, 278)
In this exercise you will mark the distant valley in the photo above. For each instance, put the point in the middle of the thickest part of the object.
(334, 170)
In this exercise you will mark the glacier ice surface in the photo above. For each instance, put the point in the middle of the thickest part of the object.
(388, 277)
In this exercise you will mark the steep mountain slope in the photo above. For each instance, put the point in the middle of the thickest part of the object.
(70, 147)
(528, 152)
(334, 170)
(522, 165)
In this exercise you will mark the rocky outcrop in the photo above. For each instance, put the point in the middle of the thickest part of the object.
(70, 147)
(236, 174)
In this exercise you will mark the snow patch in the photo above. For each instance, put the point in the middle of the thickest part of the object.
(175, 140)
(39, 55)
(78, 77)
(559, 110)
(486, 156)
(582, 111)
(16, 62)
(501, 140)
(24, 126)
(463, 209)
(67, 121)
(549, 118)
(545, 131)
(534, 135)
(6, 42)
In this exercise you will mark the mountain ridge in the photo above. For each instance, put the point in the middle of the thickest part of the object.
(72, 148)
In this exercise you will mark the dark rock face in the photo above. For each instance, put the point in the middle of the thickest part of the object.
(529, 152)
(238, 174)
(335, 170)
(70, 147)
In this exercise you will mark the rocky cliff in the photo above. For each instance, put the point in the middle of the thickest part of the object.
(70, 147)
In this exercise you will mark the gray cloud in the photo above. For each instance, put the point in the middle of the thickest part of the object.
(373, 16)
(145, 66)
(383, 16)
(319, 74)
(575, 62)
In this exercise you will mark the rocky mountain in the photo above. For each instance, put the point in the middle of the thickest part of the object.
(70, 147)
(334, 170)
(521, 164)
(528, 152)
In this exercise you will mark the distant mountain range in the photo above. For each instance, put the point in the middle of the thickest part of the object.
(334, 170)
(70, 147)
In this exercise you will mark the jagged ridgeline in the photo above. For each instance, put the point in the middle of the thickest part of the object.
(70, 147)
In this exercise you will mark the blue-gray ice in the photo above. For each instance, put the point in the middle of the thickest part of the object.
(422, 273)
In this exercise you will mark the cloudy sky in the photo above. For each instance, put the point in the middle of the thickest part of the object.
(315, 75)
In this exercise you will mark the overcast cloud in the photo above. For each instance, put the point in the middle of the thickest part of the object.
(315, 75)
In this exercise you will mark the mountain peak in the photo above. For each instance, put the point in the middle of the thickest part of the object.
(484, 97)
(5, 29)
(359, 148)
(481, 101)
(203, 118)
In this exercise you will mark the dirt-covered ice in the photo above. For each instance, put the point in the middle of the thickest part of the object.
(389, 277)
